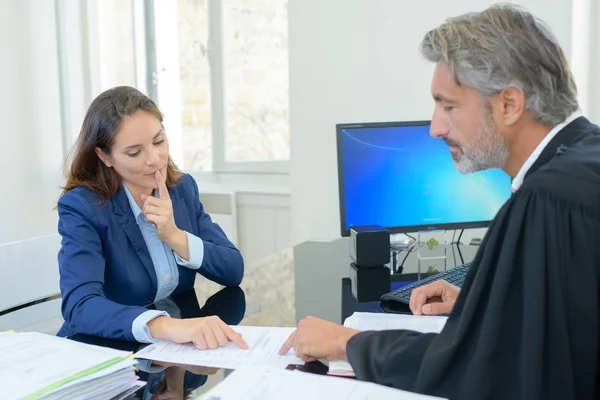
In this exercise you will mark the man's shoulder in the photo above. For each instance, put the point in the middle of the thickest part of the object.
(574, 173)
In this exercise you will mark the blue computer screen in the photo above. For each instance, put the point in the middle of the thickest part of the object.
(400, 177)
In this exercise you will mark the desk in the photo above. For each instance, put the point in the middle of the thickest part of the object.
(276, 291)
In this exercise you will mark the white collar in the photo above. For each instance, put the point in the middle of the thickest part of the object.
(518, 181)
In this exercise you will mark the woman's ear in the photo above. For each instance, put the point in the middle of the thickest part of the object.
(103, 157)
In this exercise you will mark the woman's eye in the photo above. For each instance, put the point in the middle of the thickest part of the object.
(133, 154)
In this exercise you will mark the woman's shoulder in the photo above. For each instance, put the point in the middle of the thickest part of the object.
(81, 196)
(186, 185)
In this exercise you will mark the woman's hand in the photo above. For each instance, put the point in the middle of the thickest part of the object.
(159, 211)
(205, 333)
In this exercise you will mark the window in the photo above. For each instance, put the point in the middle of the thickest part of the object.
(218, 70)
(233, 77)
(194, 77)
(256, 80)
(115, 44)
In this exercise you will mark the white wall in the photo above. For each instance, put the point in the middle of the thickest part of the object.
(31, 150)
(358, 61)
(585, 61)
(592, 50)
(31, 154)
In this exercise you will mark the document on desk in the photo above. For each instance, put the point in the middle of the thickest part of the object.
(266, 383)
(381, 322)
(34, 365)
(263, 343)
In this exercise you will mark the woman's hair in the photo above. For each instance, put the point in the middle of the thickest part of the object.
(100, 126)
(503, 46)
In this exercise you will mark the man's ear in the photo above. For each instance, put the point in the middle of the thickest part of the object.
(103, 157)
(512, 105)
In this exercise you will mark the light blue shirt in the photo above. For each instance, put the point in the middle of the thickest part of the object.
(165, 262)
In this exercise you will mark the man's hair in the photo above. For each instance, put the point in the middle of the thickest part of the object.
(504, 46)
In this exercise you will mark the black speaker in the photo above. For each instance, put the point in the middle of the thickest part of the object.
(369, 245)
(369, 283)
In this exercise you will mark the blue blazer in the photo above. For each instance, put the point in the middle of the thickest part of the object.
(106, 273)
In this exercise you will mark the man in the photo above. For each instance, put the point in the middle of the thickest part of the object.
(526, 324)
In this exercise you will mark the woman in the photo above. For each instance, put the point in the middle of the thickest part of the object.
(134, 231)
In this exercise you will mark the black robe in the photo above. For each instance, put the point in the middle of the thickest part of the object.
(526, 324)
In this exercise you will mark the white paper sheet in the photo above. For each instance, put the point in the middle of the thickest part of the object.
(263, 342)
(109, 378)
(30, 362)
(266, 383)
(381, 322)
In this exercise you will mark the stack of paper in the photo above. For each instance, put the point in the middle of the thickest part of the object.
(38, 366)
(266, 383)
(263, 342)
(382, 322)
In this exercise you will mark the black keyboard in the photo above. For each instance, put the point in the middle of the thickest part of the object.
(455, 276)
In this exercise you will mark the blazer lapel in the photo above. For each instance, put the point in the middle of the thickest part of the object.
(123, 210)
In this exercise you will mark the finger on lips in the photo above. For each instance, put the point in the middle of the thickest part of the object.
(163, 193)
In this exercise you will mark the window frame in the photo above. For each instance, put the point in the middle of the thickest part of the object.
(220, 164)
(147, 20)
(218, 101)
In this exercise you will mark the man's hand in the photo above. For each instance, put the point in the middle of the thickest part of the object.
(205, 333)
(434, 299)
(318, 339)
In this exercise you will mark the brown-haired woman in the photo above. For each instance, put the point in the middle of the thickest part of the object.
(134, 231)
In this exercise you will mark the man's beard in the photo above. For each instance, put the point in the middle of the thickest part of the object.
(487, 151)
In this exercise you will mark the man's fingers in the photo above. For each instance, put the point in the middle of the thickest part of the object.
(437, 308)
(420, 298)
(421, 295)
(289, 343)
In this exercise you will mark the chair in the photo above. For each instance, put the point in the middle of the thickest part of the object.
(29, 285)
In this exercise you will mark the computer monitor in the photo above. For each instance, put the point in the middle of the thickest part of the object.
(396, 175)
